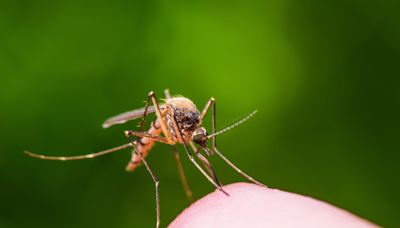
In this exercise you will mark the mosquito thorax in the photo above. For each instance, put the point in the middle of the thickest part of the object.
(186, 114)
(200, 136)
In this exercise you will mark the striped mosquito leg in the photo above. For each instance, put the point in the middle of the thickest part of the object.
(153, 176)
(147, 135)
(135, 159)
(182, 175)
(139, 154)
(160, 117)
(78, 157)
(215, 149)
(143, 144)
(210, 103)
(146, 107)
(191, 158)
(179, 166)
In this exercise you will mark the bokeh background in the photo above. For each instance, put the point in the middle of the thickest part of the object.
(324, 76)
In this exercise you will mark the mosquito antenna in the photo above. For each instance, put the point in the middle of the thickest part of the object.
(79, 157)
(233, 125)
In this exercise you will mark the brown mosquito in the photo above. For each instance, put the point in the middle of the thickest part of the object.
(179, 121)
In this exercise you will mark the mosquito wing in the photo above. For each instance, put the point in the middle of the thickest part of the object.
(126, 116)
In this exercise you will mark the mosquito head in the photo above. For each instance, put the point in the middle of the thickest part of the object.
(187, 120)
(200, 136)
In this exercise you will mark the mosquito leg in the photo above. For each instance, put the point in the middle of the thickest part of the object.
(211, 102)
(182, 175)
(215, 149)
(184, 181)
(190, 155)
(78, 157)
(191, 158)
(161, 117)
(141, 126)
(128, 134)
(140, 134)
(153, 176)
(237, 169)
(206, 163)
(209, 167)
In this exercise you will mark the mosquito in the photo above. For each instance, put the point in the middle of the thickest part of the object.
(178, 122)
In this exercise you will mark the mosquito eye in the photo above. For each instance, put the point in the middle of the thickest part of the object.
(199, 138)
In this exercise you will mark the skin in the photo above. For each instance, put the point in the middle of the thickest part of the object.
(250, 205)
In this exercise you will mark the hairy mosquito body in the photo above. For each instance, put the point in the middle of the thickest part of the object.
(178, 122)
(187, 117)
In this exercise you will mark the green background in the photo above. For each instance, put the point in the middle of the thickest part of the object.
(324, 76)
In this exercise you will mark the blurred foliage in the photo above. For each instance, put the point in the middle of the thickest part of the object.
(323, 75)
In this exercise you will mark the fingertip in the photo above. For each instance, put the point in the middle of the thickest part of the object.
(251, 205)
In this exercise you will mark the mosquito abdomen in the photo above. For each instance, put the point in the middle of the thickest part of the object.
(144, 145)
